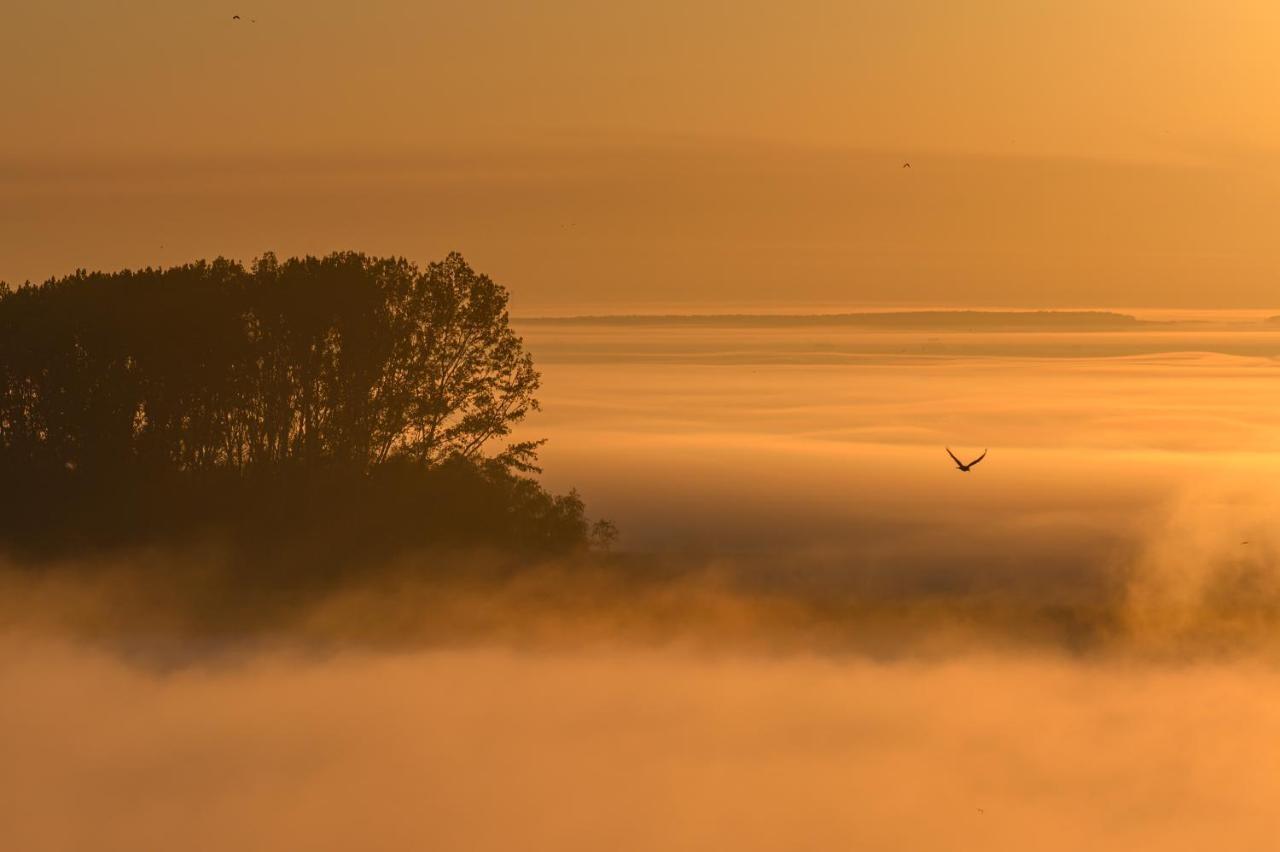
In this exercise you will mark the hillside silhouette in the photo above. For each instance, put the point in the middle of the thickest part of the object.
(333, 406)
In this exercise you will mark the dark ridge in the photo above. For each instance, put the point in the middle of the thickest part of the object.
(943, 320)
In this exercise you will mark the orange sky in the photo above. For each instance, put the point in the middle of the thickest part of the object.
(616, 155)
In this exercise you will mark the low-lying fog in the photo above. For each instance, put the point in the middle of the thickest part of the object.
(1072, 646)
(634, 750)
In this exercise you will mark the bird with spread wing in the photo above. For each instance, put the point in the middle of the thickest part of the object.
(961, 466)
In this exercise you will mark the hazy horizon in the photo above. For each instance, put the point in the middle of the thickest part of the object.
(603, 227)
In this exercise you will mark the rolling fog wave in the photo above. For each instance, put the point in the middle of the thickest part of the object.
(813, 633)
(1126, 506)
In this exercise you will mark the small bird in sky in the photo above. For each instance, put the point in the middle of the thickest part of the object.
(235, 17)
(906, 165)
(961, 466)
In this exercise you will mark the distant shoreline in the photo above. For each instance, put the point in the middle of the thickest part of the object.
(962, 320)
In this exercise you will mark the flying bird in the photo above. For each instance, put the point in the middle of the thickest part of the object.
(906, 165)
(235, 17)
(961, 466)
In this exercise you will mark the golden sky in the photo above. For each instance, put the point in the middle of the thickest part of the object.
(624, 154)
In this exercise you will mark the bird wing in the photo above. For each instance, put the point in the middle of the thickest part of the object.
(978, 459)
(953, 457)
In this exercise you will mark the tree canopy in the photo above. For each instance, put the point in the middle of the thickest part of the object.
(345, 368)
(345, 359)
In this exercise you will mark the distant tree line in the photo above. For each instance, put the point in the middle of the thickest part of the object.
(953, 320)
(121, 393)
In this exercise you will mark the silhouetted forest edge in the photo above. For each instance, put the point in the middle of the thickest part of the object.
(308, 415)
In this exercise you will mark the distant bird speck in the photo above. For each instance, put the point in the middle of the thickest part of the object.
(906, 165)
(961, 466)
(235, 17)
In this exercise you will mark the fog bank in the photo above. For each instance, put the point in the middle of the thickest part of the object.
(487, 750)
(814, 632)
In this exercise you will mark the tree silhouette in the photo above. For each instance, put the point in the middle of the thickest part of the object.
(353, 367)
(343, 359)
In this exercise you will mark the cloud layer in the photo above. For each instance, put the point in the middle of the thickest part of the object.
(815, 633)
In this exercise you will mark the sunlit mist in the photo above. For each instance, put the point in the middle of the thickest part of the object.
(639, 426)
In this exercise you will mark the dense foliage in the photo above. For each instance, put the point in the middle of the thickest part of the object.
(129, 399)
